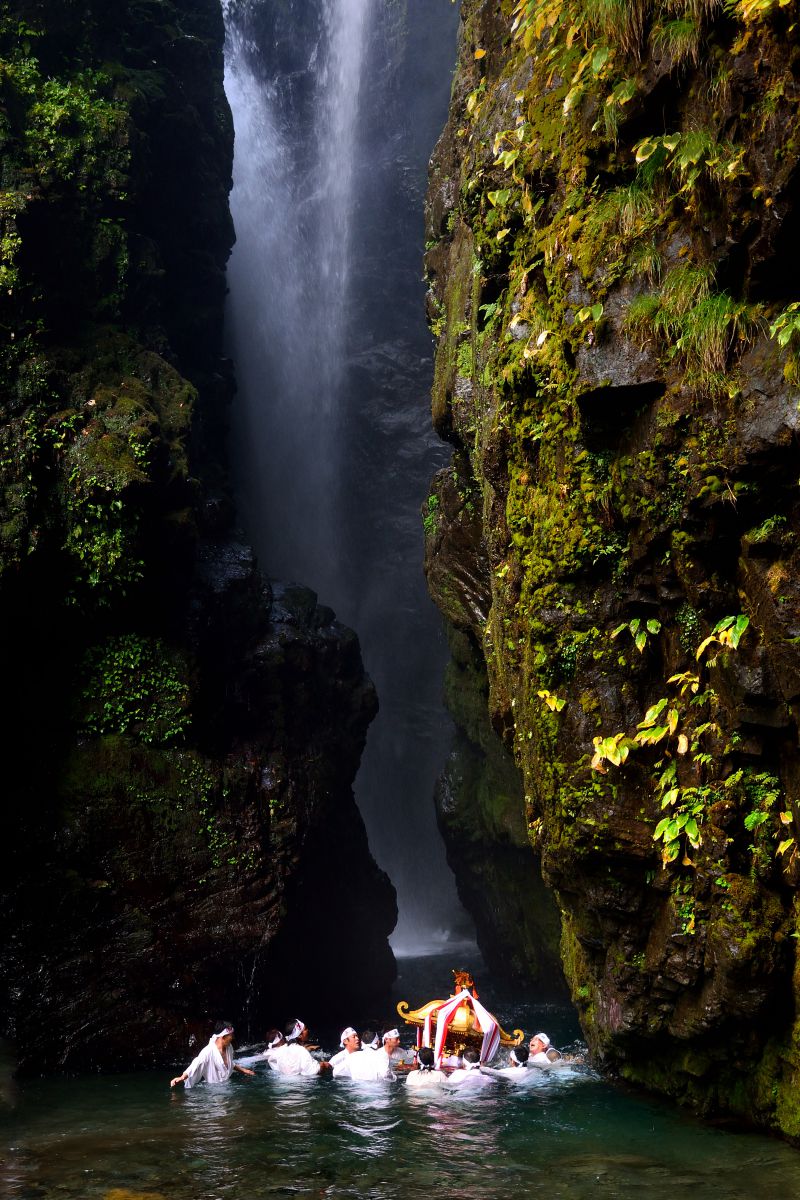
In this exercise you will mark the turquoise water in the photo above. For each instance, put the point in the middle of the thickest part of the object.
(564, 1135)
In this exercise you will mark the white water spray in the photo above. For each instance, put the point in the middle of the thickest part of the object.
(332, 445)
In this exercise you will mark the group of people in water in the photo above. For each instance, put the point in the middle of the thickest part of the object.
(365, 1057)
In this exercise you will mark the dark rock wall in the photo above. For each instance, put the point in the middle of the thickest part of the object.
(612, 218)
(181, 738)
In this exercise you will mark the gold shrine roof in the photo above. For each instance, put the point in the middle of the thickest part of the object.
(463, 1024)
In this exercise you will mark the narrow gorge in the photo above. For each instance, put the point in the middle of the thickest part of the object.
(399, 575)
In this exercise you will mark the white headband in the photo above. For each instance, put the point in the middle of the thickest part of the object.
(223, 1033)
(391, 1033)
(276, 1041)
(513, 1057)
(543, 1038)
(347, 1033)
(298, 1029)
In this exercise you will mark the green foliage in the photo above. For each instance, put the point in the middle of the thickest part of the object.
(430, 514)
(639, 631)
(785, 329)
(671, 725)
(703, 327)
(135, 685)
(678, 38)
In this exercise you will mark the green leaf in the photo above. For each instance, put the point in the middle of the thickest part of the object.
(741, 625)
(754, 819)
(597, 311)
(692, 832)
(652, 713)
(640, 641)
(706, 642)
(784, 846)
(646, 149)
(599, 59)
(670, 797)
(618, 630)
(653, 626)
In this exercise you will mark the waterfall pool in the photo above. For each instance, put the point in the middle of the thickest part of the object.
(565, 1135)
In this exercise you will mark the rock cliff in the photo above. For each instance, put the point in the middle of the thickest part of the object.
(611, 223)
(182, 737)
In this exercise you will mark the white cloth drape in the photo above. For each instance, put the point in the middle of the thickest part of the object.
(483, 1019)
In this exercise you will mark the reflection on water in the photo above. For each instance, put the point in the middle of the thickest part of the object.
(563, 1135)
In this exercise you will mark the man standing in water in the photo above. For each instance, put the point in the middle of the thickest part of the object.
(215, 1062)
(355, 1064)
(290, 1057)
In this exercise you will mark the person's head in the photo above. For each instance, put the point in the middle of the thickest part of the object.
(223, 1032)
(425, 1058)
(539, 1043)
(350, 1040)
(391, 1040)
(274, 1039)
(519, 1056)
(369, 1038)
(470, 1057)
(295, 1031)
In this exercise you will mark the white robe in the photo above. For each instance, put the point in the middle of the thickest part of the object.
(338, 1058)
(467, 1077)
(365, 1068)
(539, 1060)
(210, 1064)
(292, 1059)
(516, 1074)
(423, 1079)
(383, 1064)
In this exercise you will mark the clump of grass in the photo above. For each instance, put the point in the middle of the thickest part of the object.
(701, 326)
(621, 22)
(679, 39)
(644, 259)
(623, 215)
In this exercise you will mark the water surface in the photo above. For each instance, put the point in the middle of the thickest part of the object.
(564, 1135)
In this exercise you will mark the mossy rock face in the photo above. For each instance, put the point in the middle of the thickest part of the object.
(184, 735)
(604, 272)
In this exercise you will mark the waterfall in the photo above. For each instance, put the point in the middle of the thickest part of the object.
(337, 105)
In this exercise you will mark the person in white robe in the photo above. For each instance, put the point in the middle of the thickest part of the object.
(214, 1063)
(540, 1051)
(345, 1041)
(390, 1045)
(289, 1058)
(356, 1064)
(516, 1071)
(425, 1075)
(468, 1076)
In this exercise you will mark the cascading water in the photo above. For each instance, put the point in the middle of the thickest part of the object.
(337, 105)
